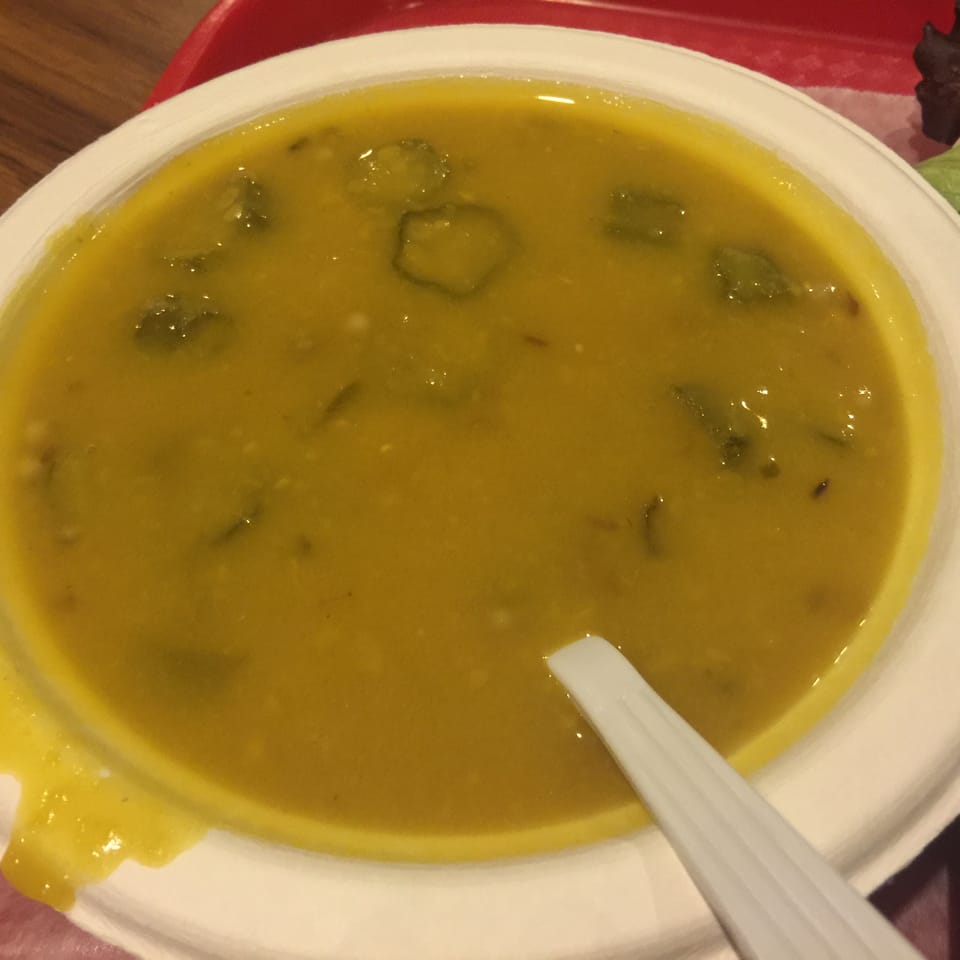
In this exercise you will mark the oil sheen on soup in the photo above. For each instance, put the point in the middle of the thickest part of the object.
(319, 444)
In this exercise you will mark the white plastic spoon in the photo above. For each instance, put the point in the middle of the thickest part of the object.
(774, 895)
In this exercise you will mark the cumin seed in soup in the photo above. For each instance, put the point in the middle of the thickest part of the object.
(317, 445)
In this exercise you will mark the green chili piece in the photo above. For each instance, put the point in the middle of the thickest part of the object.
(173, 323)
(246, 203)
(639, 217)
(748, 276)
(398, 173)
(733, 443)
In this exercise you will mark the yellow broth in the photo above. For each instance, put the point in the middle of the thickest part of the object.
(314, 450)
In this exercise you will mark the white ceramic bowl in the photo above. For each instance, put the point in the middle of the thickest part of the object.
(875, 781)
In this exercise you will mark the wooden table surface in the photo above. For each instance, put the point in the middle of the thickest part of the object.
(71, 70)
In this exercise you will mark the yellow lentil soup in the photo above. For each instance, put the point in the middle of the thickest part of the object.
(321, 441)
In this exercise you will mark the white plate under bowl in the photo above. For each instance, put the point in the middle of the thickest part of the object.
(874, 781)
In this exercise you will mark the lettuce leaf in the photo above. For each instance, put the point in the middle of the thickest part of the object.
(942, 172)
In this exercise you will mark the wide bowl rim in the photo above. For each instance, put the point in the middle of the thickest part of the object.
(625, 897)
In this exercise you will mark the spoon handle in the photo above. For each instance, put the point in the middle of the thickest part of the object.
(774, 895)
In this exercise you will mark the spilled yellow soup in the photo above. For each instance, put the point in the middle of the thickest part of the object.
(316, 446)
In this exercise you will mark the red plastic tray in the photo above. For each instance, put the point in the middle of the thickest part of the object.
(862, 44)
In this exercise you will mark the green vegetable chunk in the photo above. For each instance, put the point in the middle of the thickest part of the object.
(455, 248)
(732, 441)
(245, 203)
(172, 323)
(747, 276)
(189, 262)
(398, 173)
(733, 446)
(185, 672)
(643, 217)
